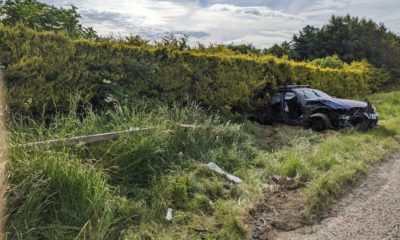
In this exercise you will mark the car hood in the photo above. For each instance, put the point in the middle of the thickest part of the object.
(337, 103)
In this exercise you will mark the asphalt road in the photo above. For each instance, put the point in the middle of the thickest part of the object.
(371, 211)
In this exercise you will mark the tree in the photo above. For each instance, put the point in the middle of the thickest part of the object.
(329, 62)
(351, 38)
(285, 49)
(136, 40)
(244, 48)
(307, 45)
(43, 17)
(172, 41)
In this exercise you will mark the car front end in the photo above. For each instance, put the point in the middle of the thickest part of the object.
(364, 117)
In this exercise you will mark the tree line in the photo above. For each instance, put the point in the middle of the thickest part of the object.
(343, 39)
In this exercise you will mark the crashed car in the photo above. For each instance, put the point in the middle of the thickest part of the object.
(305, 106)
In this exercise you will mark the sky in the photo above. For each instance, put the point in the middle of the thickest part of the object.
(258, 22)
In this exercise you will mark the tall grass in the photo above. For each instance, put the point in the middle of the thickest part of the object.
(54, 196)
(96, 191)
(121, 189)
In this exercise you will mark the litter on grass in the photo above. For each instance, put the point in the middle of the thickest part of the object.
(219, 170)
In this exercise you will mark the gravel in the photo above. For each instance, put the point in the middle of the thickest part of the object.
(371, 211)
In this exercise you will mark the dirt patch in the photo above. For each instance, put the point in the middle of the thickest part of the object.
(281, 209)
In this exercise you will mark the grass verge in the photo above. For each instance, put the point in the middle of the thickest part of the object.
(122, 189)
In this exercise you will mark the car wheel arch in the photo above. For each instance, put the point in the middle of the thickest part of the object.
(321, 116)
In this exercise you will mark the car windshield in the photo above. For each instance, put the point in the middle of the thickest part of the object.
(309, 93)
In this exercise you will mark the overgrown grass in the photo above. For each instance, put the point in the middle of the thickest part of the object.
(102, 190)
(122, 189)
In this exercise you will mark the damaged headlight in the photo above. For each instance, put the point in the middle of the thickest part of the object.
(344, 117)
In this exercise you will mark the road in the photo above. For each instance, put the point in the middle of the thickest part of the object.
(371, 211)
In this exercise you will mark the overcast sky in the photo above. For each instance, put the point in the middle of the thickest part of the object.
(260, 22)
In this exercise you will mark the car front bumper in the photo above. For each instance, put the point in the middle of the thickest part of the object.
(358, 119)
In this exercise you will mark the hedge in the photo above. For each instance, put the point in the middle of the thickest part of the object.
(43, 71)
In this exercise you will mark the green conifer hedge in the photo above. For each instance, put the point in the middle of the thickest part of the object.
(43, 71)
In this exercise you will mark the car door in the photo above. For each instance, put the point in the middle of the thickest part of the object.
(276, 105)
(291, 110)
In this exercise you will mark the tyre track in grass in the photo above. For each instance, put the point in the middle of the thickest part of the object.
(370, 212)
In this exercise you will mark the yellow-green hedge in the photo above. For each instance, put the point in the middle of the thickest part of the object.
(46, 69)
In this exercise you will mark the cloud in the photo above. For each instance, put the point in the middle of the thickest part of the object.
(261, 26)
(260, 22)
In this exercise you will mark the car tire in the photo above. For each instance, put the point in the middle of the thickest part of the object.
(319, 124)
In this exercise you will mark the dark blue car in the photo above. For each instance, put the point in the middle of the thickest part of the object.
(301, 105)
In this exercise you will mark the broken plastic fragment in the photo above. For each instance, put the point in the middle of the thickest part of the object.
(217, 169)
(168, 217)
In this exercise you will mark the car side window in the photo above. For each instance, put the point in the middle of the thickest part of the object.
(289, 96)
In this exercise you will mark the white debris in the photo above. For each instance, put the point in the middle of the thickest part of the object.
(109, 99)
(217, 169)
(168, 217)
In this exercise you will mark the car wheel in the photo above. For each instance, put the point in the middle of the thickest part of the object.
(319, 124)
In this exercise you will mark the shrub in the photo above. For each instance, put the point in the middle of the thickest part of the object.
(44, 69)
(330, 62)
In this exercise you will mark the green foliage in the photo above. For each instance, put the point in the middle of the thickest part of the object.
(44, 17)
(54, 196)
(293, 167)
(244, 48)
(352, 39)
(174, 42)
(329, 62)
(136, 40)
(44, 69)
(284, 49)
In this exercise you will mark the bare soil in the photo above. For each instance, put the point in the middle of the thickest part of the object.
(280, 209)
(370, 211)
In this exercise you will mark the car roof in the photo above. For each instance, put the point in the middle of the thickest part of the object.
(290, 87)
(303, 88)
